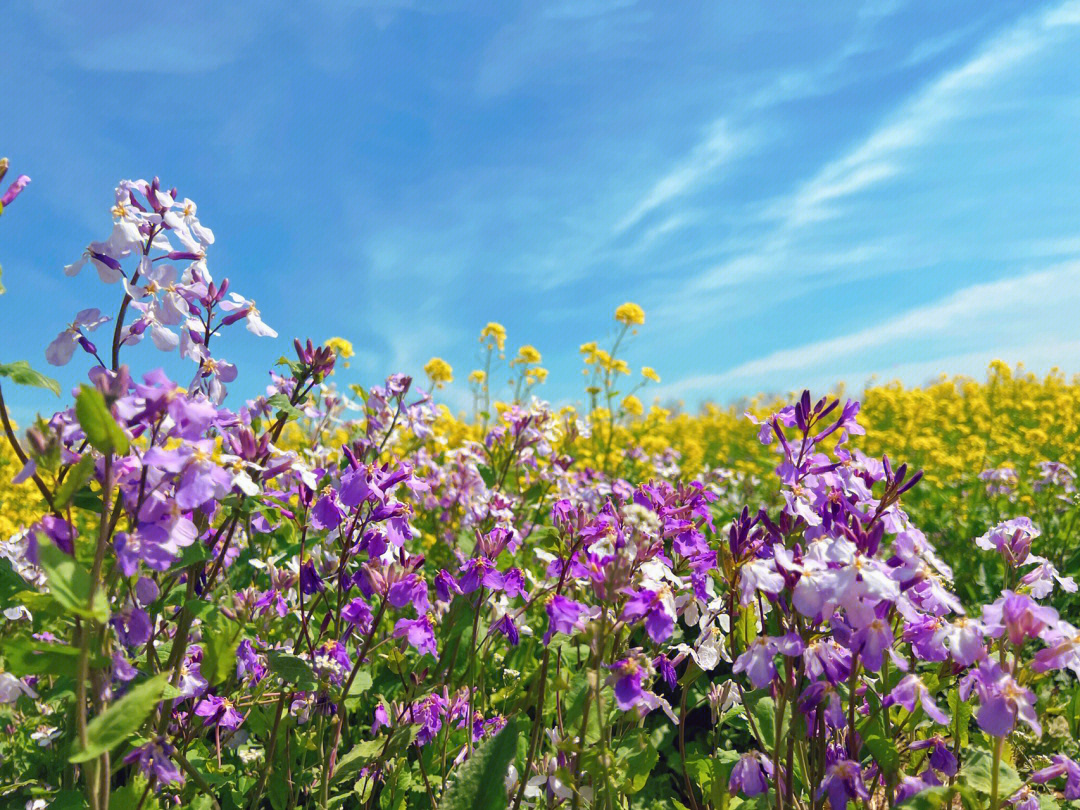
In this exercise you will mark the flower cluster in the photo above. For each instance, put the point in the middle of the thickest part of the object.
(325, 596)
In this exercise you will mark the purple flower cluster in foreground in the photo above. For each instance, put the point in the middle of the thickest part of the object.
(312, 598)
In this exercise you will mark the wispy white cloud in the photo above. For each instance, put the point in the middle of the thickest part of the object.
(717, 148)
(1032, 309)
(880, 156)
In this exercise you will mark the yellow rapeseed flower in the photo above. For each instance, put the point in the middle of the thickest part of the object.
(650, 374)
(630, 314)
(439, 371)
(496, 332)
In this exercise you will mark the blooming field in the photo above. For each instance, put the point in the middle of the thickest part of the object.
(335, 596)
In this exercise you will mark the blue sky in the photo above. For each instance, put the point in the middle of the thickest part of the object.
(795, 193)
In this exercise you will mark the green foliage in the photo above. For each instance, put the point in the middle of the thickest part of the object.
(70, 583)
(478, 784)
(21, 373)
(122, 719)
(101, 430)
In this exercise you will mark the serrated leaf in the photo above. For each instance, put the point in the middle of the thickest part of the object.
(74, 480)
(280, 402)
(97, 422)
(69, 583)
(21, 373)
(121, 719)
(479, 784)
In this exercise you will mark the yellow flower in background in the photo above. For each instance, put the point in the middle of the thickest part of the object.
(527, 355)
(477, 377)
(630, 314)
(650, 374)
(342, 348)
(632, 405)
(536, 375)
(439, 371)
(496, 332)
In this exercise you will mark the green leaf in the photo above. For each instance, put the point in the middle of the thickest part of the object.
(883, 749)
(933, 798)
(638, 757)
(74, 480)
(962, 712)
(479, 783)
(280, 402)
(359, 756)
(978, 773)
(10, 584)
(121, 719)
(292, 670)
(20, 373)
(221, 637)
(97, 422)
(24, 656)
(69, 583)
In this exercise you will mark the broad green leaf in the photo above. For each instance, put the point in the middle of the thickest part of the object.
(977, 772)
(292, 670)
(21, 373)
(280, 402)
(10, 583)
(221, 637)
(361, 754)
(23, 656)
(883, 749)
(69, 583)
(97, 422)
(121, 719)
(479, 784)
(638, 757)
(74, 480)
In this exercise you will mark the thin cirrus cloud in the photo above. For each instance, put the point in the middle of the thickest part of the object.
(1000, 317)
(880, 156)
(718, 148)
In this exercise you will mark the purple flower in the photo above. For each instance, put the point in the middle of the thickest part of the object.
(565, 616)
(358, 614)
(843, 782)
(219, 711)
(60, 351)
(1011, 538)
(757, 662)
(940, 756)
(627, 675)
(506, 626)
(654, 607)
(871, 642)
(13, 191)
(1063, 766)
(1002, 700)
(155, 761)
(1019, 616)
(419, 633)
(411, 589)
(310, 581)
(751, 775)
(910, 691)
(326, 514)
